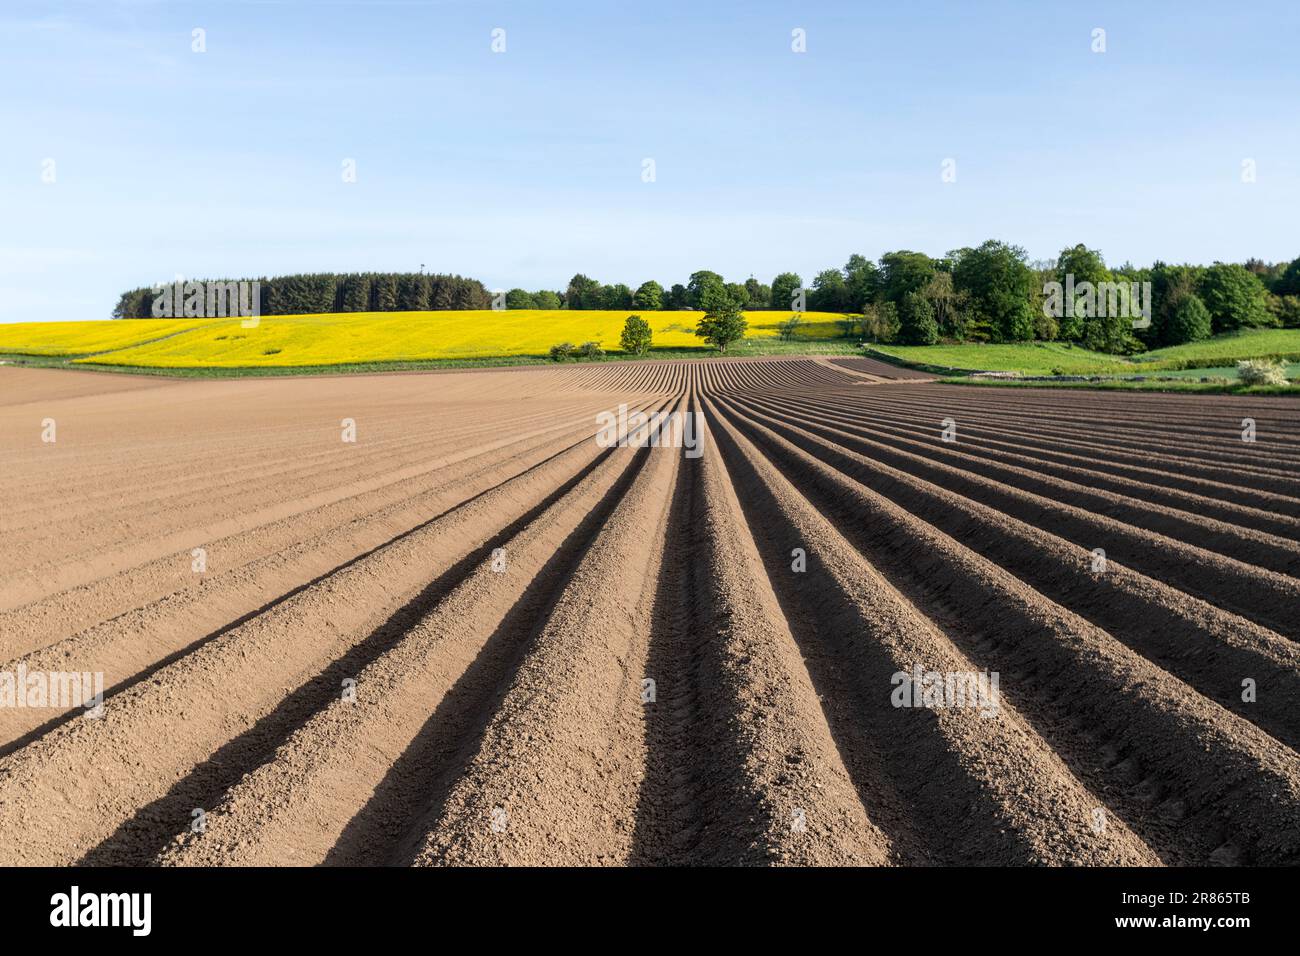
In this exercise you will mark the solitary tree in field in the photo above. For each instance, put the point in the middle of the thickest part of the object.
(636, 336)
(788, 328)
(723, 321)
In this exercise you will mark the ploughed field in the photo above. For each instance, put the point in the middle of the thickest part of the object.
(435, 644)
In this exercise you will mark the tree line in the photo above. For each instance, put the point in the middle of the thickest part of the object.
(992, 293)
(986, 293)
(314, 293)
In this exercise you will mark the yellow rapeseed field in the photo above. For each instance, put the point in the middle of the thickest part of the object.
(368, 337)
(83, 338)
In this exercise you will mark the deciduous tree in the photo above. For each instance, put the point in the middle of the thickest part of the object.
(649, 295)
(999, 285)
(636, 337)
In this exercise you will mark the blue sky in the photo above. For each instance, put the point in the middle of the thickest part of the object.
(523, 167)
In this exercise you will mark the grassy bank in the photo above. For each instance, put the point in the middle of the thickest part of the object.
(1176, 369)
(1028, 358)
(1123, 385)
(1048, 358)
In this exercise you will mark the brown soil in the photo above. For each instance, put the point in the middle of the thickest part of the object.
(431, 646)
